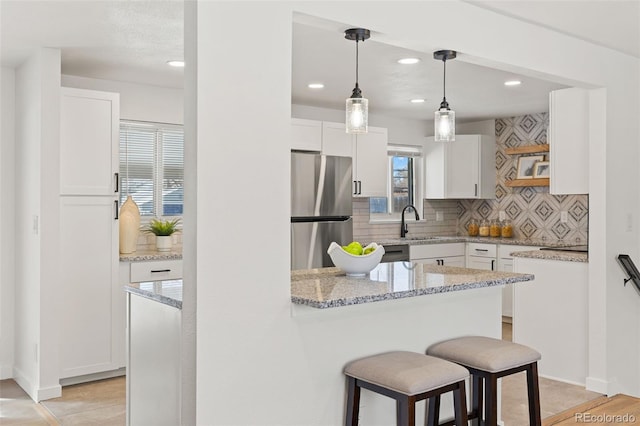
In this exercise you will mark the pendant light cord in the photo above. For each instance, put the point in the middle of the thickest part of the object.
(357, 60)
(444, 80)
(126, 156)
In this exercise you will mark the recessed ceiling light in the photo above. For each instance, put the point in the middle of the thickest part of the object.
(176, 63)
(513, 83)
(315, 86)
(417, 101)
(408, 61)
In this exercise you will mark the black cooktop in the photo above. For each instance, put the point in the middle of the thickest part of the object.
(575, 249)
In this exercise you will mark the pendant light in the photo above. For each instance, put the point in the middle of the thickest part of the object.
(357, 107)
(445, 118)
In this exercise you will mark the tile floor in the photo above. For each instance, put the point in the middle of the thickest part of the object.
(103, 402)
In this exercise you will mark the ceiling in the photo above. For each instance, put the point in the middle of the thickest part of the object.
(132, 41)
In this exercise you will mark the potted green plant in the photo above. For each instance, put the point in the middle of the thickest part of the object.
(162, 229)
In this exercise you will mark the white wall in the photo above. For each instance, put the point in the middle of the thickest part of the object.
(7, 219)
(247, 341)
(37, 223)
(401, 130)
(140, 102)
(484, 127)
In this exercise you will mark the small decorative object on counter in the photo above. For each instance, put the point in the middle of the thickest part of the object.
(162, 229)
(129, 225)
(495, 228)
(473, 228)
(507, 228)
(484, 228)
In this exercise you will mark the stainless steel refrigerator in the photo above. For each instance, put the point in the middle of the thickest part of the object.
(321, 190)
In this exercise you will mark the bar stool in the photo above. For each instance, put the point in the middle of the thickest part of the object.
(407, 377)
(488, 360)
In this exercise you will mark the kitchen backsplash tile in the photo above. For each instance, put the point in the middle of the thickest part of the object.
(365, 231)
(534, 212)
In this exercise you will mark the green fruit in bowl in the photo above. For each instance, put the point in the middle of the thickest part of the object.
(369, 250)
(354, 248)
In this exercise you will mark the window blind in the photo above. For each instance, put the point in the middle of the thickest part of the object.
(152, 167)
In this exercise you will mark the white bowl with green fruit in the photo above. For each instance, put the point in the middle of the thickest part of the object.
(354, 259)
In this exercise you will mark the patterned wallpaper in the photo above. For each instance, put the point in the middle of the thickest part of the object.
(534, 212)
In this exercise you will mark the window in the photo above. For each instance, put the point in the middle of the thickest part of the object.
(152, 167)
(403, 184)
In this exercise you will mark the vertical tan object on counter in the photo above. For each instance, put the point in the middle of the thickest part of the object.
(129, 226)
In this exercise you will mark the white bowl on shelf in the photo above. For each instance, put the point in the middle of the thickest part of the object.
(355, 265)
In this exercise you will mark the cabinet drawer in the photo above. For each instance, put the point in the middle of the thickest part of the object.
(155, 270)
(482, 250)
(427, 251)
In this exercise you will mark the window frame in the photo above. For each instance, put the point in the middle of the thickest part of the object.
(416, 153)
(157, 167)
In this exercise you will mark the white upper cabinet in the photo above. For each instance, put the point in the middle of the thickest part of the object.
(89, 123)
(569, 141)
(306, 135)
(335, 141)
(462, 169)
(370, 163)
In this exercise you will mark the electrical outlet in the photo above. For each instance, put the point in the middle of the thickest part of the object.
(439, 216)
(502, 215)
(564, 218)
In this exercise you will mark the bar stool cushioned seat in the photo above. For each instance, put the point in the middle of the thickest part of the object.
(407, 377)
(488, 360)
(485, 353)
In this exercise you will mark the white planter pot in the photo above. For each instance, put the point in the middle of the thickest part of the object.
(163, 243)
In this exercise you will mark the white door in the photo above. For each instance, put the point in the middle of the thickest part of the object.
(91, 336)
(486, 263)
(89, 128)
(335, 141)
(306, 135)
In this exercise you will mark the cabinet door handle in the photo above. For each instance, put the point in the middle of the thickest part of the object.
(117, 208)
(493, 263)
(442, 262)
(355, 187)
(359, 187)
(476, 190)
(481, 249)
(160, 270)
(117, 176)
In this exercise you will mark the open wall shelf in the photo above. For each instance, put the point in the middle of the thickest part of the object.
(527, 182)
(531, 149)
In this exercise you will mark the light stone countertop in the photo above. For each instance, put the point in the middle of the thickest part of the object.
(330, 287)
(467, 239)
(566, 256)
(145, 255)
(168, 292)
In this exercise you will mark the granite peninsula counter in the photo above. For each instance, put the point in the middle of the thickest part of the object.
(330, 287)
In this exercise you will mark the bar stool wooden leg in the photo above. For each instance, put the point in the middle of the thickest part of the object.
(460, 405)
(491, 400)
(433, 411)
(406, 411)
(534, 394)
(476, 403)
(353, 402)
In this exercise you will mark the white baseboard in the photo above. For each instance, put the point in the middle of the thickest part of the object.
(93, 377)
(598, 385)
(37, 394)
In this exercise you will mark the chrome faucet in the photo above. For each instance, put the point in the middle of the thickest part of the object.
(403, 226)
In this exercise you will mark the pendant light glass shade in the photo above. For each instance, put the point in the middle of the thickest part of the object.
(444, 118)
(357, 115)
(356, 107)
(445, 125)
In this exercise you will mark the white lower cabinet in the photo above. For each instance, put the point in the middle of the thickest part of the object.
(153, 368)
(505, 264)
(92, 315)
(447, 254)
